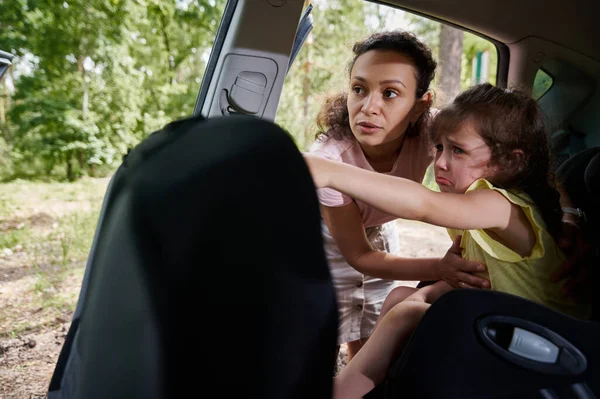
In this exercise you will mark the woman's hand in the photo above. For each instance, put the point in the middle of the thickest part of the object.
(456, 271)
(577, 265)
(319, 170)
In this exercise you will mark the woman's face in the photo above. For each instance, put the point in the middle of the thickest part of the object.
(382, 101)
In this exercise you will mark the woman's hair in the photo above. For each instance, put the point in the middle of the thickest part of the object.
(512, 125)
(333, 119)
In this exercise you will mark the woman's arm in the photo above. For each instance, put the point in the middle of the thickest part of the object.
(347, 229)
(481, 209)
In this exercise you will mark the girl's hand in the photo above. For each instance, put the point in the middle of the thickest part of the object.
(456, 271)
(319, 169)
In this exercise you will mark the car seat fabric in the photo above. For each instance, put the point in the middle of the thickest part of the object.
(447, 357)
(580, 177)
(207, 273)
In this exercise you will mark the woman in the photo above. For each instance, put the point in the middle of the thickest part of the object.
(378, 126)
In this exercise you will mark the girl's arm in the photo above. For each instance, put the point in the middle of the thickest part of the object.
(346, 227)
(481, 209)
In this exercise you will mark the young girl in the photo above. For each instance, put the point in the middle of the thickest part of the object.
(492, 169)
(378, 126)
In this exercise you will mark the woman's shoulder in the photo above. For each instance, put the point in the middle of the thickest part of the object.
(332, 148)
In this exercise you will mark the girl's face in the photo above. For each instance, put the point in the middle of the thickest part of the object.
(461, 158)
(382, 102)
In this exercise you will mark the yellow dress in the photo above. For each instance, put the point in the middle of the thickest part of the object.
(509, 272)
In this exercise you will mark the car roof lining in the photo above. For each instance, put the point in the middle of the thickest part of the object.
(569, 24)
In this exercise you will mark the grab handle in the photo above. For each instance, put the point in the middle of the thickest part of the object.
(530, 345)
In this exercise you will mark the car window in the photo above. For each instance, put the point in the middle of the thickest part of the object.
(304, 28)
(320, 66)
(542, 83)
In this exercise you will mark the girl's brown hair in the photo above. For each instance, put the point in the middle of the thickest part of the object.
(512, 125)
(333, 119)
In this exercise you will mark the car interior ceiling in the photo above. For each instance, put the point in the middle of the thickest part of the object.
(556, 21)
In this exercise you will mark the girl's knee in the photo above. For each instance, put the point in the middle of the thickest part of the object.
(416, 297)
(408, 311)
(399, 294)
(395, 296)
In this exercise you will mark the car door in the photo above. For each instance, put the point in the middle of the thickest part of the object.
(5, 62)
(250, 58)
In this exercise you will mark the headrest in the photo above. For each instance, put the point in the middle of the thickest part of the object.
(210, 273)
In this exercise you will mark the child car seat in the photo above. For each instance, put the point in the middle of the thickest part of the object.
(486, 344)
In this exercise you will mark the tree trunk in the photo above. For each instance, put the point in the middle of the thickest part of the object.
(3, 94)
(70, 176)
(170, 61)
(85, 100)
(450, 59)
(81, 159)
(86, 95)
(306, 91)
(84, 111)
(4, 108)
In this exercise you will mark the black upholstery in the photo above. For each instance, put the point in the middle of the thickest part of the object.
(207, 273)
(580, 177)
(446, 356)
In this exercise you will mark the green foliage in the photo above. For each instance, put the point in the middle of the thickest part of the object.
(320, 68)
(541, 84)
(11, 238)
(427, 30)
(94, 77)
(472, 44)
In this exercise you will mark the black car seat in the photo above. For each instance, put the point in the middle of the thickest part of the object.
(580, 176)
(486, 344)
(207, 273)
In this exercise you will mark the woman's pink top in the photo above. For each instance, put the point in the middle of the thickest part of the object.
(414, 158)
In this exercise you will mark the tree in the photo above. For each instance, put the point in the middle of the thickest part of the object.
(449, 61)
(52, 106)
(106, 74)
(320, 68)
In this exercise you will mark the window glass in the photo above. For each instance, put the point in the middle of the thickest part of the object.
(541, 84)
(320, 67)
